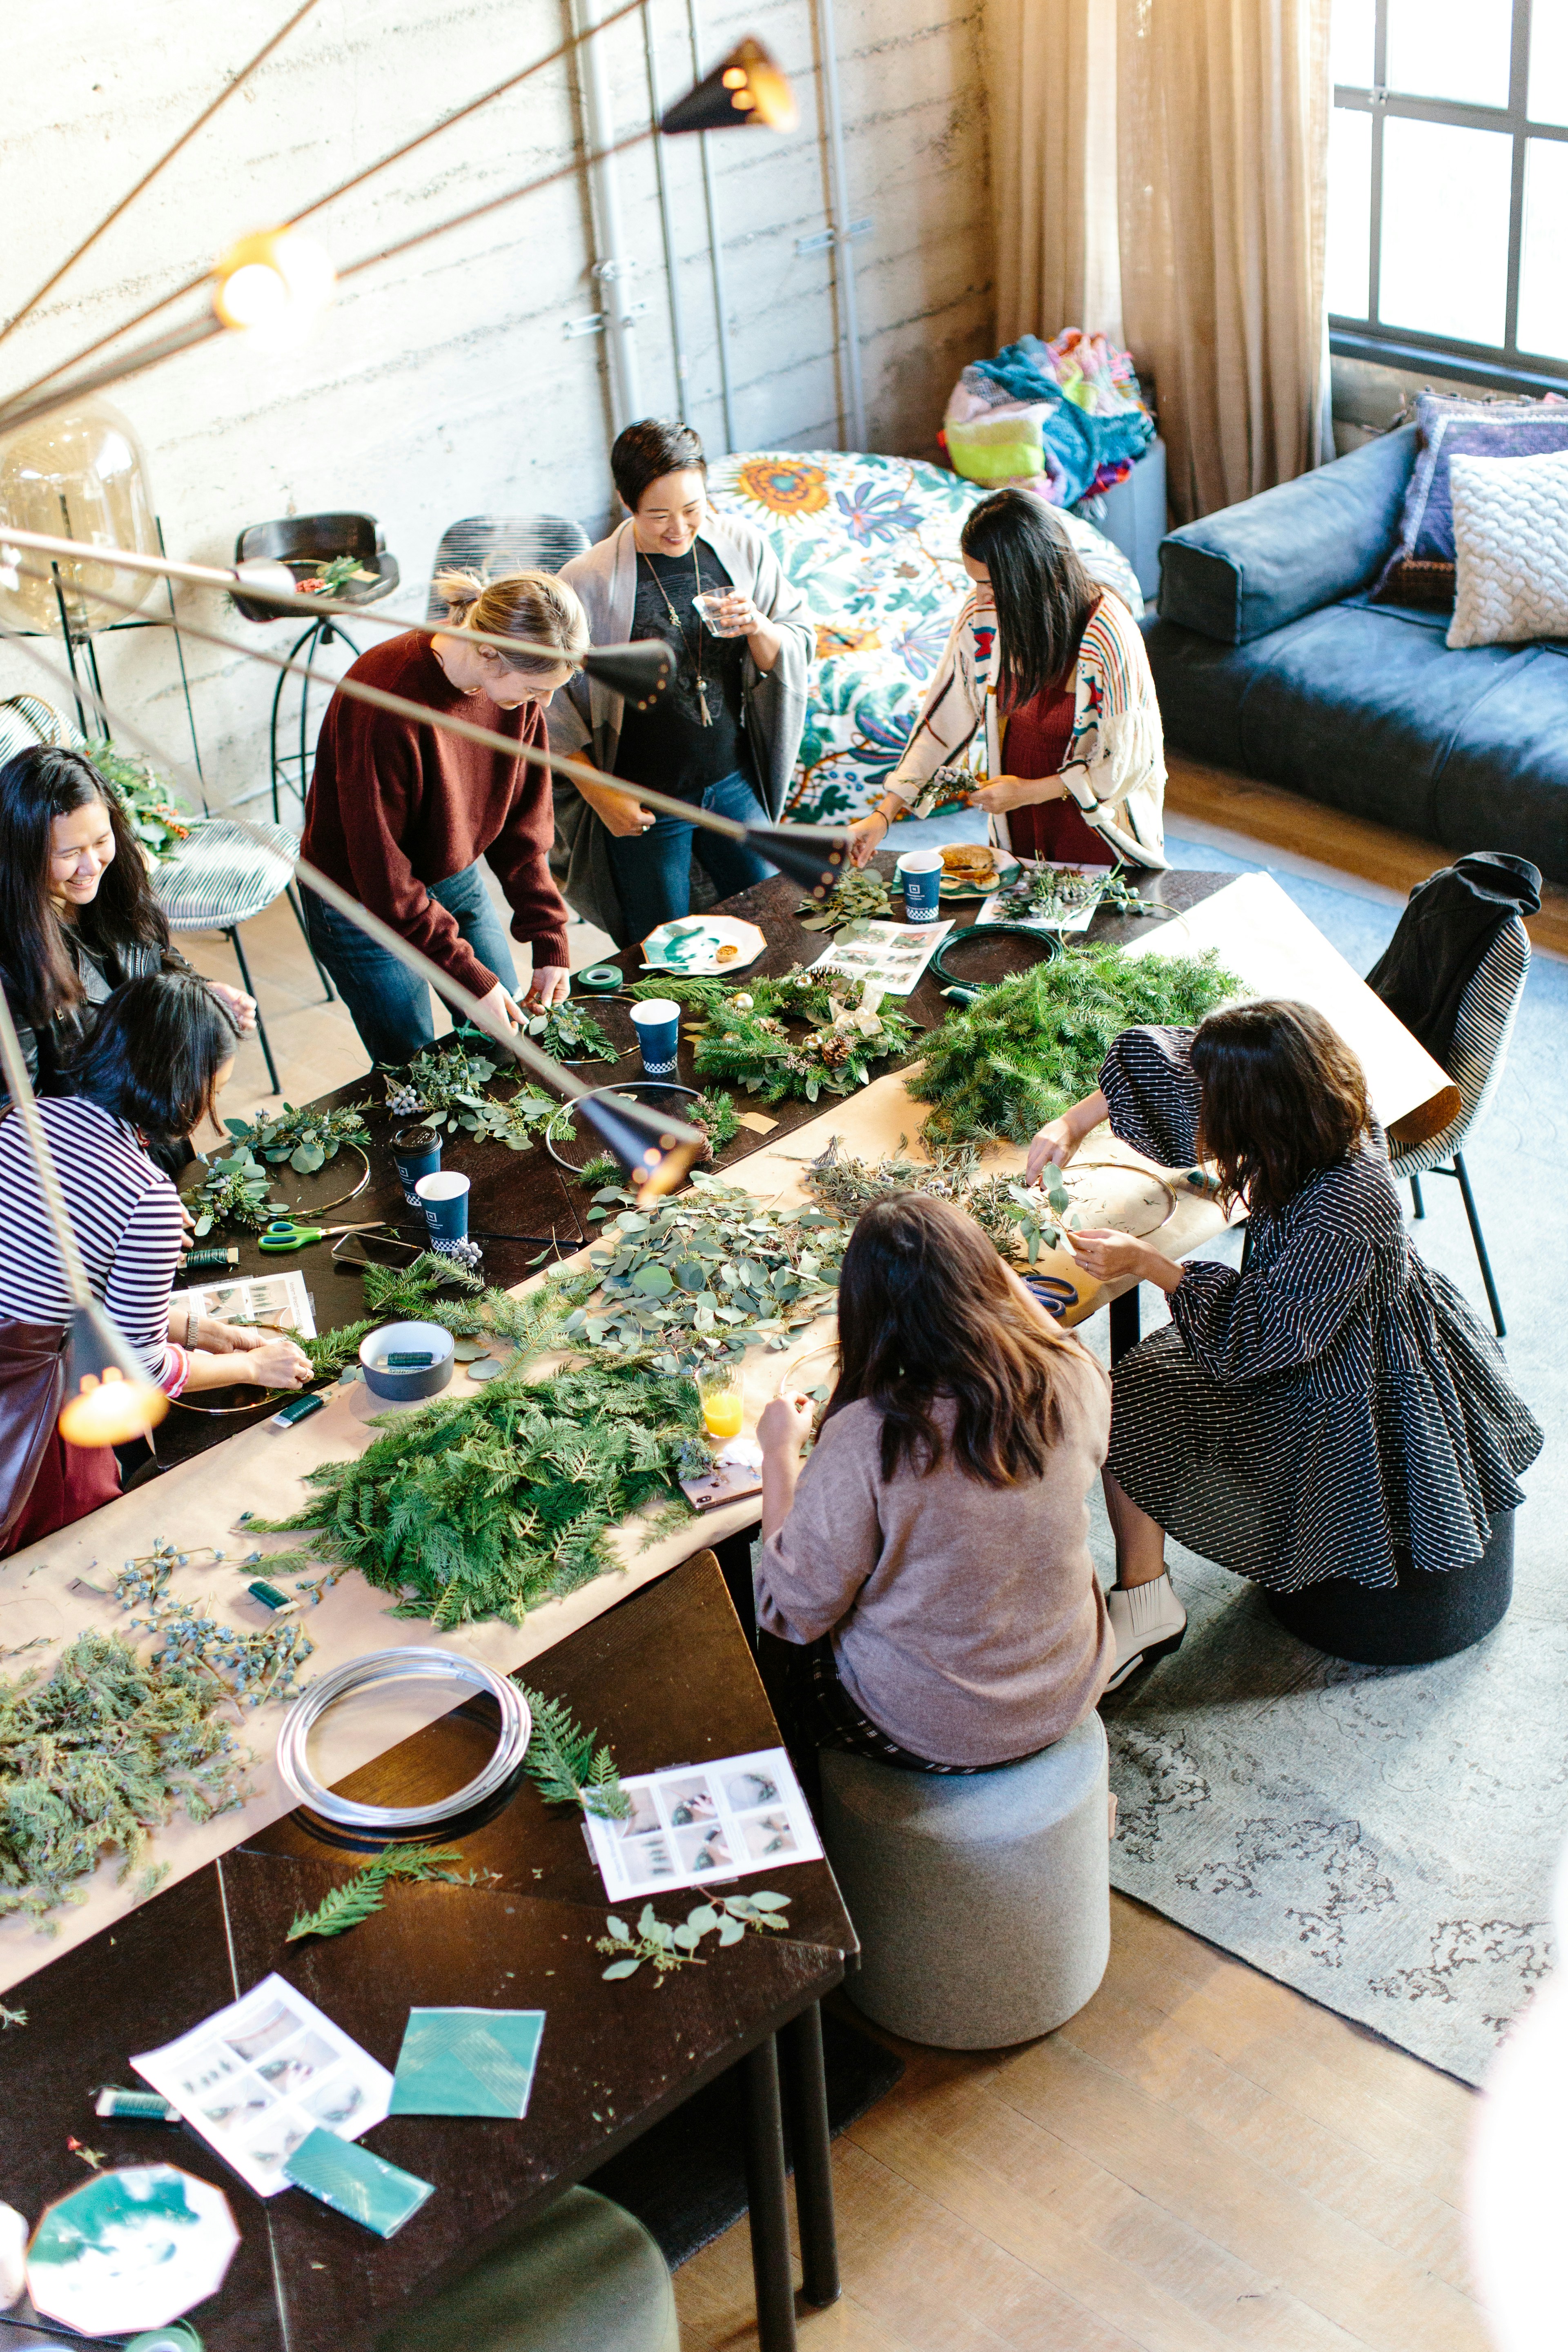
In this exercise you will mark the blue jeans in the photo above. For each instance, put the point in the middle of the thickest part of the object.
(388, 1006)
(653, 869)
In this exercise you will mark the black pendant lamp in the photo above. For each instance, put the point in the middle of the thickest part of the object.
(640, 672)
(812, 855)
(746, 86)
(655, 1149)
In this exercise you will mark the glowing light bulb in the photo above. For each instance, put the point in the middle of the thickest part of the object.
(277, 280)
(110, 1411)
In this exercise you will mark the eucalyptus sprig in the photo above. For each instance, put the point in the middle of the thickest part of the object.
(361, 1896)
(306, 1139)
(235, 1191)
(857, 895)
(676, 1947)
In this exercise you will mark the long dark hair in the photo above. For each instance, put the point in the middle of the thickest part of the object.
(927, 1310)
(41, 980)
(1283, 1098)
(155, 1051)
(1043, 595)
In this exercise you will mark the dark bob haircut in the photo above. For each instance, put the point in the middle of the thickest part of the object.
(155, 1053)
(927, 1310)
(649, 449)
(1283, 1098)
(1043, 595)
(37, 785)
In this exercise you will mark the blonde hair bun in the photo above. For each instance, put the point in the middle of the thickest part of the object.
(534, 606)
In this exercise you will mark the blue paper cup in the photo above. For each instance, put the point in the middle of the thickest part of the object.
(416, 1151)
(920, 871)
(657, 1024)
(443, 1197)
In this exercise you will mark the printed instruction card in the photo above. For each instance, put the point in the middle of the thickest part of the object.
(1076, 897)
(257, 2078)
(279, 1302)
(889, 956)
(700, 1823)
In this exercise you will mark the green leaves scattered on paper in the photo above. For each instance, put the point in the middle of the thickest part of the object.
(701, 1278)
(564, 1765)
(861, 894)
(98, 1756)
(306, 1139)
(484, 1506)
(1033, 1045)
(358, 1898)
(676, 1947)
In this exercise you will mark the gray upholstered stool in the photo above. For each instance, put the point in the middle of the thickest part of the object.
(584, 2274)
(983, 1903)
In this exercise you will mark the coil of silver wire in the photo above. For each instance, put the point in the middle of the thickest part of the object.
(357, 1675)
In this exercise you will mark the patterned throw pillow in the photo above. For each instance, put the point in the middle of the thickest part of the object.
(871, 543)
(1510, 537)
(1421, 569)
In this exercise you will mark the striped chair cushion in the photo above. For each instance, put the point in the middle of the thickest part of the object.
(220, 876)
(1488, 1011)
(25, 721)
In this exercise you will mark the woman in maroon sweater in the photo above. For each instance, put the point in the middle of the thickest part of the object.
(400, 814)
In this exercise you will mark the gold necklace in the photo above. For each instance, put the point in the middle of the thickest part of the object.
(679, 627)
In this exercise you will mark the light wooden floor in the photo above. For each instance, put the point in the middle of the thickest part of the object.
(1202, 2158)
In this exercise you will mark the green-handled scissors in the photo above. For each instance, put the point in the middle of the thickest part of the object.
(283, 1234)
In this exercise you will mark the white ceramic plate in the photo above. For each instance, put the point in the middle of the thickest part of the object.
(693, 945)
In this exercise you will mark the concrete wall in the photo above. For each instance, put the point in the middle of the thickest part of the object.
(442, 384)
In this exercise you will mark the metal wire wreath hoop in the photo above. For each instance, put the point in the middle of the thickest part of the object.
(401, 1666)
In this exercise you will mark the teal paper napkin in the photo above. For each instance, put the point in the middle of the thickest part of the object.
(466, 2062)
(351, 2181)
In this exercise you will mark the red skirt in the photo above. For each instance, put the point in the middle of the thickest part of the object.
(72, 1480)
(1036, 744)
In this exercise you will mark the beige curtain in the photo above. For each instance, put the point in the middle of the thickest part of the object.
(1222, 146)
(1052, 81)
(1162, 165)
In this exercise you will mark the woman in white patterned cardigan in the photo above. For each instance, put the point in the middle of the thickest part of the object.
(1053, 667)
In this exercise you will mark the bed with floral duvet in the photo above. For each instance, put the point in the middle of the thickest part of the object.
(871, 543)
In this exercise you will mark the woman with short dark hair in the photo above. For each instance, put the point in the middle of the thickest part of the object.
(77, 911)
(1052, 666)
(159, 1057)
(725, 732)
(932, 1559)
(1331, 1410)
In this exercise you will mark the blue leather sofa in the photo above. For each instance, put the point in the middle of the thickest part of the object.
(1271, 661)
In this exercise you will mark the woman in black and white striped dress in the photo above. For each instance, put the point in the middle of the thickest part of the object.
(1335, 1407)
(160, 1055)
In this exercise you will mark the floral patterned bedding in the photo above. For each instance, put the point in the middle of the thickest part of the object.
(871, 543)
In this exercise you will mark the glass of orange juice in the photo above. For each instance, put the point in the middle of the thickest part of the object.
(723, 1400)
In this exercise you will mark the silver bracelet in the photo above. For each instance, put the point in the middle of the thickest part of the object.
(401, 1666)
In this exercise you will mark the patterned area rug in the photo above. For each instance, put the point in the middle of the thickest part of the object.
(1385, 1839)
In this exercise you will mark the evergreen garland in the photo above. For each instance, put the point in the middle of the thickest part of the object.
(1033, 1045)
(741, 1039)
(485, 1505)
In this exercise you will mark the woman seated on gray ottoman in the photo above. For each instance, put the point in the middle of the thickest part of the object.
(1330, 1416)
(931, 1567)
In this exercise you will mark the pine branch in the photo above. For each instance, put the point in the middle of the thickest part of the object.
(359, 1898)
(566, 1768)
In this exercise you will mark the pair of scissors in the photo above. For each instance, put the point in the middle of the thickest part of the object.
(283, 1234)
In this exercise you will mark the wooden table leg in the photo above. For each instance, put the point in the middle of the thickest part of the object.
(811, 2140)
(772, 2269)
(734, 1557)
(1125, 1324)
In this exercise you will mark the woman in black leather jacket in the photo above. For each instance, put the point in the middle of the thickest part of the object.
(77, 912)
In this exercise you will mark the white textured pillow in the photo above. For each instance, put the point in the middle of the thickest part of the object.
(1510, 538)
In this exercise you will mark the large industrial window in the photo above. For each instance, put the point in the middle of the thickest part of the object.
(1448, 188)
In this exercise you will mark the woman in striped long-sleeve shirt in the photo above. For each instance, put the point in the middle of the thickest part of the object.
(1331, 1413)
(159, 1057)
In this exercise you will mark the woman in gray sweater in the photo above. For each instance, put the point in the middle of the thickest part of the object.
(932, 1559)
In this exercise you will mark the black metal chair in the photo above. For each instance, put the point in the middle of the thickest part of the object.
(492, 545)
(304, 543)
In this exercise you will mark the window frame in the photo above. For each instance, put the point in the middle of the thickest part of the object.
(1502, 367)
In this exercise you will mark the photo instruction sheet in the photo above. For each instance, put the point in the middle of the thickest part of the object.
(889, 956)
(257, 2078)
(1002, 908)
(694, 1823)
(278, 1302)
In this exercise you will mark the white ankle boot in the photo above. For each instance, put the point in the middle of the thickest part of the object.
(1148, 1622)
